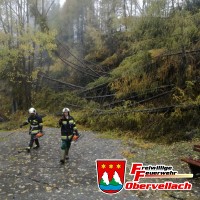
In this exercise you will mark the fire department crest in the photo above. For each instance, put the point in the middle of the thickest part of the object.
(110, 175)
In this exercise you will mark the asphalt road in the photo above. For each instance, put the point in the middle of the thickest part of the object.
(39, 175)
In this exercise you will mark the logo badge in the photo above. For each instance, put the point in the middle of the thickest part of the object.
(110, 175)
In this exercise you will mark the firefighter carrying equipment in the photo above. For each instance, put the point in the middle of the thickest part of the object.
(68, 126)
(36, 124)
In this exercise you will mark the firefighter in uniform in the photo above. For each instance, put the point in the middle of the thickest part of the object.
(36, 126)
(68, 131)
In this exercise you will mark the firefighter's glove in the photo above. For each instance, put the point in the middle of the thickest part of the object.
(76, 133)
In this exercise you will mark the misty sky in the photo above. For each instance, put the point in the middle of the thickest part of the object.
(62, 2)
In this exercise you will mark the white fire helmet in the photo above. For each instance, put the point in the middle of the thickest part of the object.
(32, 111)
(65, 110)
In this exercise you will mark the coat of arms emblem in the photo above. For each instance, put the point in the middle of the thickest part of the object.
(110, 175)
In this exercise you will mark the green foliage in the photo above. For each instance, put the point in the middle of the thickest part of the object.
(54, 102)
(132, 64)
(156, 127)
(116, 120)
(130, 76)
(98, 54)
(161, 127)
(50, 120)
(5, 100)
(14, 121)
(95, 38)
(111, 61)
(101, 80)
(188, 96)
(183, 30)
(18, 54)
(5, 103)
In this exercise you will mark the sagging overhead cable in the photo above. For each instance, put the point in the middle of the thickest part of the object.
(74, 65)
(43, 75)
(67, 49)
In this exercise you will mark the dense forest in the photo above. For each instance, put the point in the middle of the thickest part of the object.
(125, 66)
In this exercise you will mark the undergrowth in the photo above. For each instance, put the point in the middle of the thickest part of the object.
(120, 122)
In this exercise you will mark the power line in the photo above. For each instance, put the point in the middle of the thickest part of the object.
(68, 84)
(102, 96)
(149, 110)
(67, 49)
(74, 66)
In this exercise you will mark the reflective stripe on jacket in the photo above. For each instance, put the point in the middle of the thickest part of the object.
(68, 126)
(35, 124)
